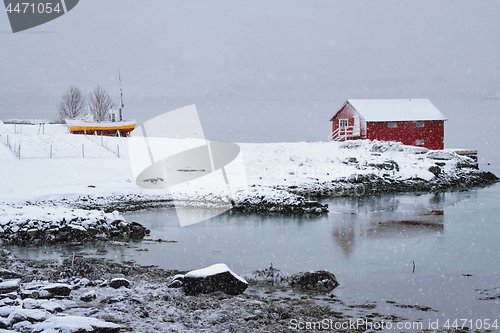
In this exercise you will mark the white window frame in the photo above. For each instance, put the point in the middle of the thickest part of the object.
(420, 142)
(420, 124)
(343, 121)
(392, 124)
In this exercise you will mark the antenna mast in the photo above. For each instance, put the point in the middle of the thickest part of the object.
(121, 96)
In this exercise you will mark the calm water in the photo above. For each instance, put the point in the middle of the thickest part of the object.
(451, 233)
(370, 244)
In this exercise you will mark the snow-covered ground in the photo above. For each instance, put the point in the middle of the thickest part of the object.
(47, 166)
(105, 170)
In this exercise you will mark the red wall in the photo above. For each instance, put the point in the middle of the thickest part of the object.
(407, 132)
(348, 112)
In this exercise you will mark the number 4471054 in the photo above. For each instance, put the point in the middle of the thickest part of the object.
(31, 8)
(472, 324)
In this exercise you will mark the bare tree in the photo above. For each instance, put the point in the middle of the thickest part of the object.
(100, 103)
(72, 104)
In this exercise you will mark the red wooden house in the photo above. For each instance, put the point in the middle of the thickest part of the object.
(415, 122)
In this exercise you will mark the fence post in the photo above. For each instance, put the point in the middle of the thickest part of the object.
(8, 141)
(50, 151)
(19, 152)
(101, 140)
(118, 149)
(83, 151)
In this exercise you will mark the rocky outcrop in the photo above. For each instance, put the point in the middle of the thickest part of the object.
(40, 231)
(278, 200)
(370, 184)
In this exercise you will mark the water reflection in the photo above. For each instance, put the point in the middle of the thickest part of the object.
(359, 234)
(386, 217)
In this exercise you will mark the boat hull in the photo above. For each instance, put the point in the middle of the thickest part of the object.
(104, 128)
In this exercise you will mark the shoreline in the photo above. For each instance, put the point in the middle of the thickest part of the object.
(148, 305)
(98, 218)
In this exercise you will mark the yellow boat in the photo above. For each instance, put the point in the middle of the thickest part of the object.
(115, 126)
(121, 128)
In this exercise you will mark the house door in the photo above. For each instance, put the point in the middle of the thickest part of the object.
(356, 131)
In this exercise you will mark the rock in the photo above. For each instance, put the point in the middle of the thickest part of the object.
(119, 282)
(214, 278)
(6, 274)
(436, 170)
(441, 155)
(176, 281)
(55, 289)
(314, 281)
(89, 296)
(111, 300)
(19, 315)
(29, 294)
(9, 286)
(31, 304)
(137, 231)
(52, 307)
(83, 282)
(5, 311)
(76, 324)
(12, 295)
(9, 301)
(23, 327)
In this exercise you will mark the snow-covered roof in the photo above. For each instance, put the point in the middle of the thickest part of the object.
(396, 109)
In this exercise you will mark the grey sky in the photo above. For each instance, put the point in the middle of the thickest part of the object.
(318, 51)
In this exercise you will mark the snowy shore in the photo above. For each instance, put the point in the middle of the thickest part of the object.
(95, 295)
(43, 175)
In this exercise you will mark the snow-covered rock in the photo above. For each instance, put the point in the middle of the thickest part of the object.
(52, 307)
(9, 286)
(17, 315)
(55, 289)
(214, 278)
(314, 281)
(75, 324)
(6, 274)
(39, 225)
(88, 296)
(119, 282)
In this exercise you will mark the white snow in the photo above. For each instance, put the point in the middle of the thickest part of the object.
(70, 324)
(54, 180)
(213, 270)
(396, 109)
(9, 284)
(57, 285)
